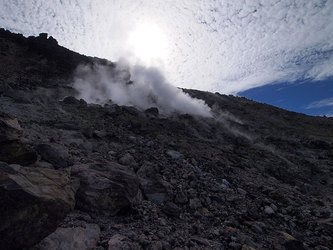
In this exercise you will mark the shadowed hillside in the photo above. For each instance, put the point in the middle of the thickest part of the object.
(75, 175)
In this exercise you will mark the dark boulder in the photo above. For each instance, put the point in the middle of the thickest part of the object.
(55, 154)
(33, 202)
(106, 188)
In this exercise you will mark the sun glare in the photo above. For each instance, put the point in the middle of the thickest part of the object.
(149, 43)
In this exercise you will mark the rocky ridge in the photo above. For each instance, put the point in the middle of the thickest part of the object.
(84, 176)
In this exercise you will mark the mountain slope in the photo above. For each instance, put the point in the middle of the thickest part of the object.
(115, 177)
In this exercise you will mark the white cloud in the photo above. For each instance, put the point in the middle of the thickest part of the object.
(322, 103)
(225, 46)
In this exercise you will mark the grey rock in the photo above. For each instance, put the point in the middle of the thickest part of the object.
(127, 160)
(72, 238)
(195, 203)
(241, 191)
(119, 241)
(171, 209)
(33, 202)
(174, 154)
(181, 198)
(269, 210)
(106, 187)
(152, 184)
(55, 154)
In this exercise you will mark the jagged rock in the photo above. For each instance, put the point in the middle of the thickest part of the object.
(33, 202)
(119, 241)
(106, 187)
(72, 238)
(55, 154)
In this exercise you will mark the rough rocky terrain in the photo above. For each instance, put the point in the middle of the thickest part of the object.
(85, 176)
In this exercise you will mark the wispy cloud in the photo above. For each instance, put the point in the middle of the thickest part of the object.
(322, 103)
(225, 46)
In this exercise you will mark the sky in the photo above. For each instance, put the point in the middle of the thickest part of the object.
(252, 48)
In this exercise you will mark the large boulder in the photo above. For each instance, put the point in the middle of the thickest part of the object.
(106, 188)
(11, 149)
(55, 154)
(33, 202)
(72, 238)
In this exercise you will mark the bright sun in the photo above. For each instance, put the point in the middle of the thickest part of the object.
(148, 43)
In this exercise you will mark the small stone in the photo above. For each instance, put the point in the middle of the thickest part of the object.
(152, 112)
(274, 207)
(269, 210)
(162, 221)
(127, 159)
(241, 191)
(174, 154)
(225, 182)
(256, 228)
(195, 203)
(171, 209)
(181, 198)
(234, 245)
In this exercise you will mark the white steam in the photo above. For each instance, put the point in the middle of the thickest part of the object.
(139, 86)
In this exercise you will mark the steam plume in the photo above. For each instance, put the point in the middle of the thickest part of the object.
(139, 86)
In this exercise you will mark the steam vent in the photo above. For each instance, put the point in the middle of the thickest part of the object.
(97, 155)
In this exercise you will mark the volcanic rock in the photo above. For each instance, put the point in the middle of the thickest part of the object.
(196, 183)
(33, 202)
(106, 187)
(54, 154)
(72, 238)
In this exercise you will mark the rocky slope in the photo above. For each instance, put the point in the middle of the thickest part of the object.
(84, 176)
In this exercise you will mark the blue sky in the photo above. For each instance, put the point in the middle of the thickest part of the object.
(308, 97)
(232, 47)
